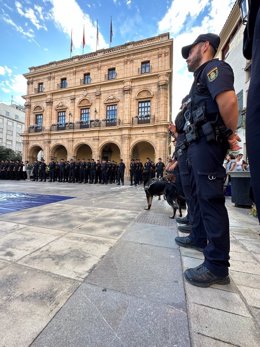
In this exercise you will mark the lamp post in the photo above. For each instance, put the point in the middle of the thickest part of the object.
(243, 5)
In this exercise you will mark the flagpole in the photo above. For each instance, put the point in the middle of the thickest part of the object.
(97, 36)
(111, 32)
(83, 40)
(71, 43)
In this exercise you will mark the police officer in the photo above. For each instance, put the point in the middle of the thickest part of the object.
(210, 121)
(121, 172)
(180, 154)
(159, 167)
(251, 50)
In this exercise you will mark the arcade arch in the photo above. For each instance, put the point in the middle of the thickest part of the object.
(142, 150)
(83, 151)
(110, 151)
(59, 152)
(35, 153)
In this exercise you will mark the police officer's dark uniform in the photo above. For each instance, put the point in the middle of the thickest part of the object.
(159, 167)
(121, 172)
(184, 169)
(251, 49)
(207, 139)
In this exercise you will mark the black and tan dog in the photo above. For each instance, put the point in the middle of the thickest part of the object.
(166, 187)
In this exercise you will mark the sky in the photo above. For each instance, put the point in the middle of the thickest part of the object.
(36, 32)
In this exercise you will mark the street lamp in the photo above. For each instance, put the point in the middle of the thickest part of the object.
(243, 5)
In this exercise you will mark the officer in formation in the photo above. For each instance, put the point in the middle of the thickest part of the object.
(251, 50)
(12, 170)
(140, 173)
(72, 171)
(211, 116)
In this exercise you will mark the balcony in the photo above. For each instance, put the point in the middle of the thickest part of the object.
(39, 90)
(62, 126)
(62, 85)
(85, 81)
(82, 125)
(144, 70)
(110, 122)
(35, 128)
(142, 119)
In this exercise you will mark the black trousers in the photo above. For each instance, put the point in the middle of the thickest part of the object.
(253, 117)
(211, 224)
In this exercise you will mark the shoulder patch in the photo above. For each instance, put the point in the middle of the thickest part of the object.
(212, 74)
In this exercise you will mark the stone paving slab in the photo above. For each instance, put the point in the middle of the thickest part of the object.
(237, 330)
(94, 317)
(144, 271)
(70, 256)
(28, 300)
(151, 234)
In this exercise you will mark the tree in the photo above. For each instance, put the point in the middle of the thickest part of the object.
(9, 154)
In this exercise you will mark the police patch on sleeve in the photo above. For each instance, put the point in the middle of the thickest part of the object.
(213, 74)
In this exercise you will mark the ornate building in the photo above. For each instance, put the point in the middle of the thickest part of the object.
(110, 104)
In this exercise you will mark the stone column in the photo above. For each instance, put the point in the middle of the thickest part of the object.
(48, 122)
(125, 150)
(126, 117)
(163, 99)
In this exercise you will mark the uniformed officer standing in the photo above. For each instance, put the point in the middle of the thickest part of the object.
(121, 172)
(211, 120)
(251, 49)
(159, 167)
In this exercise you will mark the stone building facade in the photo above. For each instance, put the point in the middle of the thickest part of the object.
(110, 104)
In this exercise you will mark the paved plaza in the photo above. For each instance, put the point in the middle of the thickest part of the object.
(85, 265)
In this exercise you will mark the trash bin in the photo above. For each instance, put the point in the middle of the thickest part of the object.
(240, 188)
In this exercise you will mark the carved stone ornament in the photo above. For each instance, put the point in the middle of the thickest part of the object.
(61, 106)
(111, 100)
(144, 94)
(38, 109)
(84, 102)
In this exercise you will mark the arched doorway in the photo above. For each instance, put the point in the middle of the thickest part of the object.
(84, 152)
(110, 151)
(143, 150)
(59, 152)
(35, 153)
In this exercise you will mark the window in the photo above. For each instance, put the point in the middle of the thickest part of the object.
(86, 79)
(111, 74)
(40, 87)
(145, 67)
(7, 114)
(62, 118)
(84, 114)
(111, 113)
(38, 120)
(63, 83)
(144, 108)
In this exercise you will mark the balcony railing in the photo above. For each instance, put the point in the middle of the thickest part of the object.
(62, 85)
(85, 81)
(35, 128)
(39, 90)
(144, 70)
(110, 122)
(82, 125)
(62, 126)
(142, 119)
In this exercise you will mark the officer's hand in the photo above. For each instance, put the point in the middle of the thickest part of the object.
(233, 142)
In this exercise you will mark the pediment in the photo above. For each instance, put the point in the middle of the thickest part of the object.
(84, 102)
(60, 106)
(38, 109)
(144, 94)
(111, 100)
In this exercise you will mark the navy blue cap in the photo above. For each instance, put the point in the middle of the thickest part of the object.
(213, 39)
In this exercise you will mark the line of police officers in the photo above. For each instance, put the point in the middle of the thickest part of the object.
(81, 171)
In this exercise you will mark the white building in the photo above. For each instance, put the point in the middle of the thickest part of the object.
(230, 50)
(12, 118)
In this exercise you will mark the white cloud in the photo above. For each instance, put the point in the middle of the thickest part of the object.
(30, 14)
(28, 34)
(71, 17)
(128, 3)
(5, 70)
(182, 21)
